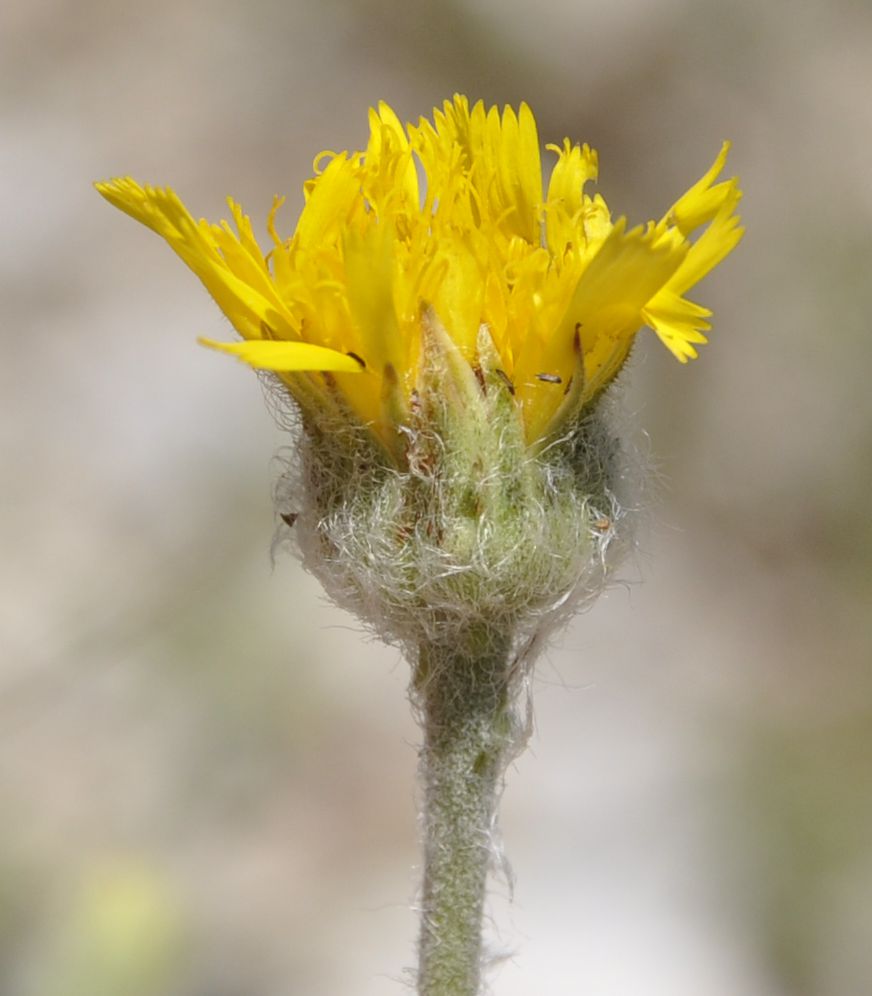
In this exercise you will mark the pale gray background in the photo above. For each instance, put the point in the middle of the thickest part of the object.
(206, 775)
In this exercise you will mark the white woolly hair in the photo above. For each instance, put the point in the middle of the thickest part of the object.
(432, 552)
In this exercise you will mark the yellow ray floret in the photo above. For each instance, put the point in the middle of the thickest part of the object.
(286, 357)
(449, 217)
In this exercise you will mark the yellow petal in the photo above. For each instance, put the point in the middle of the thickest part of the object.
(702, 201)
(369, 288)
(716, 242)
(390, 156)
(565, 202)
(329, 203)
(285, 357)
(679, 323)
(162, 211)
(516, 148)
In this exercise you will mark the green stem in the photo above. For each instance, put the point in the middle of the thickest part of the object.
(463, 692)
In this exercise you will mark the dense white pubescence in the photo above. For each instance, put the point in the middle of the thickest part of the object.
(500, 539)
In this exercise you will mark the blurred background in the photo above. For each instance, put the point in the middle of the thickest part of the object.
(207, 777)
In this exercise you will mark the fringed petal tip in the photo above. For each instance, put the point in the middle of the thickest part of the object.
(121, 191)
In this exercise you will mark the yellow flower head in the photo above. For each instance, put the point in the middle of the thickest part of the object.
(446, 226)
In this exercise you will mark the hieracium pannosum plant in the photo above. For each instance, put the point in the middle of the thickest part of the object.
(446, 331)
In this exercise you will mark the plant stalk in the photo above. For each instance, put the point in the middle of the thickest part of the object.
(463, 693)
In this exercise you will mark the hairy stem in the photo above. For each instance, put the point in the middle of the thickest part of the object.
(463, 691)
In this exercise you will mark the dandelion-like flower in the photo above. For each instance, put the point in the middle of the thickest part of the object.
(447, 327)
(449, 218)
